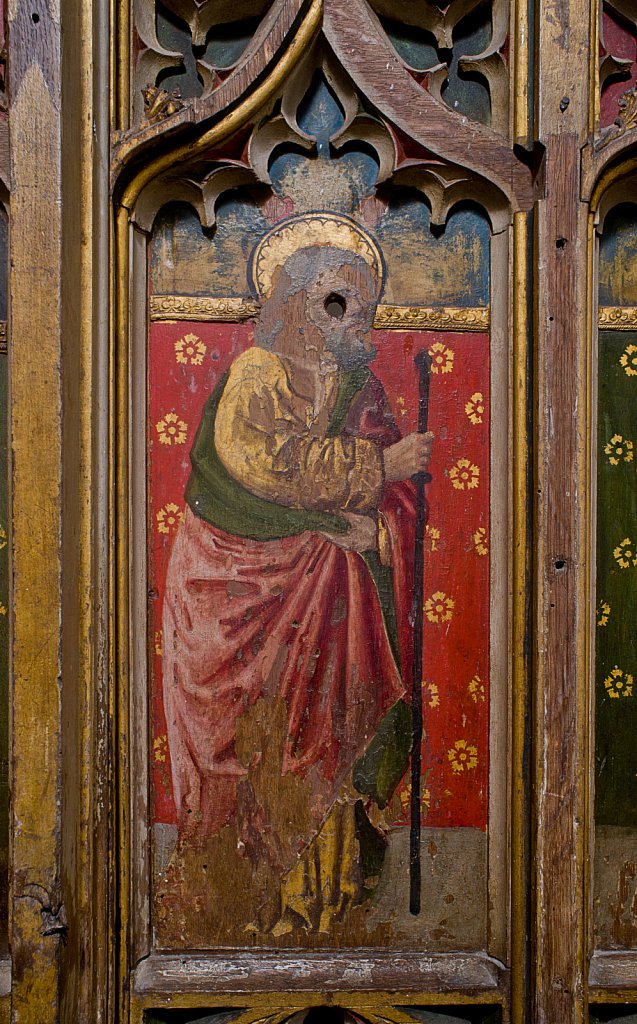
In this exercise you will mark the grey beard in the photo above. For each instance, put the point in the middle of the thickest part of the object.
(350, 355)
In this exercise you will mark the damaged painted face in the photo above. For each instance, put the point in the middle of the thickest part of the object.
(341, 304)
(326, 293)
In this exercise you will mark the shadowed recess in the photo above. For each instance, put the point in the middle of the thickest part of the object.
(463, 91)
(618, 257)
(326, 1015)
(613, 1014)
(325, 180)
(455, 1014)
(222, 49)
(336, 1015)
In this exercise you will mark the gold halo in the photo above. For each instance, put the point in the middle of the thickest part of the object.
(309, 229)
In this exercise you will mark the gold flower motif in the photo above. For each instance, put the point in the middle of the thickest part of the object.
(441, 358)
(628, 360)
(475, 407)
(190, 349)
(160, 748)
(3, 609)
(462, 756)
(624, 554)
(618, 683)
(171, 429)
(434, 535)
(480, 542)
(405, 797)
(169, 517)
(3, 538)
(439, 607)
(434, 695)
(159, 642)
(603, 613)
(619, 450)
(476, 690)
(464, 475)
(400, 401)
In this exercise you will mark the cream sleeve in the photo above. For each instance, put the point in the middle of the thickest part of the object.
(264, 438)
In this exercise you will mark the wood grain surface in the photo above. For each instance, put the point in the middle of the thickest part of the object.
(365, 52)
(559, 881)
(561, 683)
(347, 970)
(36, 506)
(616, 970)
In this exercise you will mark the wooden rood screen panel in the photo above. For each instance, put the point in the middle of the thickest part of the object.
(320, 689)
(321, 512)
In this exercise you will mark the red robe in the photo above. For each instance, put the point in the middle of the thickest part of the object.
(294, 623)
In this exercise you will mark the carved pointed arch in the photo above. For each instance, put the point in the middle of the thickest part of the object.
(378, 72)
(283, 36)
(354, 46)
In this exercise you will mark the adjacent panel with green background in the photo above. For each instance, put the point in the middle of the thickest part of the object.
(616, 613)
(615, 854)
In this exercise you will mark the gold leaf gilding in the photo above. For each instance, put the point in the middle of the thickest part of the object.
(237, 309)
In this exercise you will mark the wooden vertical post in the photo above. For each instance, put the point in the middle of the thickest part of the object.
(36, 429)
(85, 799)
(561, 313)
(58, 309)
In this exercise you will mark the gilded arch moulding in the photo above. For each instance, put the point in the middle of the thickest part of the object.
(363, 51)
(285, 35)
(603, 168)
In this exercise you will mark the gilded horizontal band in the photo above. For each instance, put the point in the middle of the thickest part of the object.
(192, 307)
(432, 318)
(232, 310)
(617, 318)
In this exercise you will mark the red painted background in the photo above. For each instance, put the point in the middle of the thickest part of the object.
(620, 41)
(186, 361)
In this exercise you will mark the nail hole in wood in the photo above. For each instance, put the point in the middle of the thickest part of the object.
(335, 306)
(560, 243)
(35, 18)
(559, 564)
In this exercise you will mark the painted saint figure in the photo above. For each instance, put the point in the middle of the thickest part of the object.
(287, 634)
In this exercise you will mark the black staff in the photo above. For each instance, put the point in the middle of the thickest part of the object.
(423, 363)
